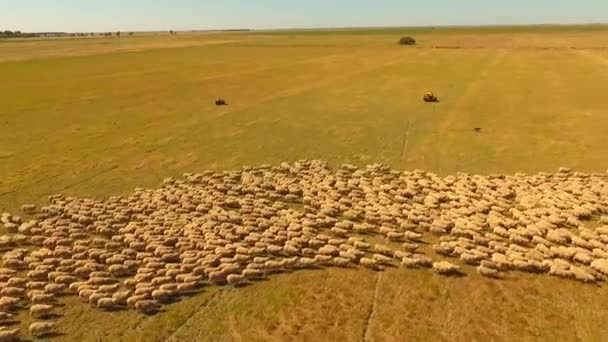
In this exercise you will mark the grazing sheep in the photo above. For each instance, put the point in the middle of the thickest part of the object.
(13, 292)
(381, 259)
(599, 265)
(380, 249)
(218, 277)
(54, 288)
(131, 301)
(106, 303)
(582, 275)
(413, 236)
(41, 310)
(5, 316)
(446, 268)
(409, 262)
(370, 263)
(186, 288)
(487, 272)
(41, 329)
(42, 298)
(8, 335)
(146, 306)
(8, 303)
(305, 262)
(120, 298)
(162, 296)
(235, 279)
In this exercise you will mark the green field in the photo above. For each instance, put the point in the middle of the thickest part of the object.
(101, 116)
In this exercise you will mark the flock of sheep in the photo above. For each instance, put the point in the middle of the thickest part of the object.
(152, 246)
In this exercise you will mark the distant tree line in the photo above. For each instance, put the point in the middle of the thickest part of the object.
(16, 34)
(19, 34)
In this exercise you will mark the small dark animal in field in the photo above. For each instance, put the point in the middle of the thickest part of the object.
(220, 102)
(430, 98)
(477, 129)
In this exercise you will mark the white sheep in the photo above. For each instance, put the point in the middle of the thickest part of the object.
(445, 268)
(146, 306)
(600, 265)
(370, 263)
(5, 316)
(8, 303)
(235, 279)
(41, 310)
(41, 329)
(487, 272)
(8, 335)
(42, 298)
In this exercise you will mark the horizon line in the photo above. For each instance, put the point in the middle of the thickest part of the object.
(340, 28)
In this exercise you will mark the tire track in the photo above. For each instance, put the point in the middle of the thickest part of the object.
(372, 311)
(205, 306)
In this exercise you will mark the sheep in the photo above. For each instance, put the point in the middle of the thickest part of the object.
(410, 262)
(41, 329)
(382, 259)
(410, 247)
(370, 263)
(305, 262)
(600, 265)
(394, 236)
(146, 306)
(470, 259)
(487, 272)
(321, 259)
(120, 298)
(96, 296)
(582, 275)
(162, 296)
(7, 335)
(131, 301)
(54, 288)
(560, 271)
(13, 292)
(412, 236)
(235, 279)
(186, 288)
(341, 262)
(446, 268)
(217, 277)
(365, 246)
(5, 316)
(17, 282)
(42, 298)
(329, 250)
(8, 303)
(381, 249)
(41, 310)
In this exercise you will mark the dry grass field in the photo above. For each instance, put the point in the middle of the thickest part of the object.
(99, 117)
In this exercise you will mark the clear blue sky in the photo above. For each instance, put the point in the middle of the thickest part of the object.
(135, 15)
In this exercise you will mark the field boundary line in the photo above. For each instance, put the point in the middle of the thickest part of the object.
(406, 140)
(205, 305)
(372, 311)
(95, 175)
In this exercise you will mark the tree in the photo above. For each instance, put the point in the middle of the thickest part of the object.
(130, 33)
(8, 33)
(407, 41)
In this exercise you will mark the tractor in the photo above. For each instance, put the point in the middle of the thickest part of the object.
(430, 97)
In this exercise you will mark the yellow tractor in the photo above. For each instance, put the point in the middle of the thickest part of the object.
(430, 97)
